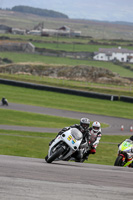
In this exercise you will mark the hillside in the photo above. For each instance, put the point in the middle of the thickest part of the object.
(38, 11)
(95, 29)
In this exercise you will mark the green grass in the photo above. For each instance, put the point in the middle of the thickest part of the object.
(63, 101)
(105, 155)
(72, 40)
(73, 47)
(25, 144)
(66, 102)
(35, 145)
(70, 44)
(27, 134)
(19, 118)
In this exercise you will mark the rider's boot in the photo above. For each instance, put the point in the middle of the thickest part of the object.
(78, 155)
(82, 157)
(86, 155)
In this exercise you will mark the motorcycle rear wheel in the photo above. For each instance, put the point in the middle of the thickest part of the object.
(119, 161)
(55, 155)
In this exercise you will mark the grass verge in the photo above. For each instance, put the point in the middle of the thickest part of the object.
(19, 118)
(35, 145)
(66, 102)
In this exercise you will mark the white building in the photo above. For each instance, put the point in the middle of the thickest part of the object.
(112, 54)
(34, 32)
(54, 32)
(62, 31)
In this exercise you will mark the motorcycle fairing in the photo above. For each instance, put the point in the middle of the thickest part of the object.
(126, 147)
(68, 139)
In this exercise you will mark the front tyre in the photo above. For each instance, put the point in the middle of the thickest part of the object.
(55, 155)
(119, 161)
(46, 158)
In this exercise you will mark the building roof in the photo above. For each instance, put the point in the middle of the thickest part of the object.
(65, 28)
(114, 50)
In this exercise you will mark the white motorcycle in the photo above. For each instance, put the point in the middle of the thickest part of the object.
(65, 145)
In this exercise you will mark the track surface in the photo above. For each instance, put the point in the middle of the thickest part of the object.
(114, 122)
(34, 179)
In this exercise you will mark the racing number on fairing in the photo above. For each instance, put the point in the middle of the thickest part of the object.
(69, 137)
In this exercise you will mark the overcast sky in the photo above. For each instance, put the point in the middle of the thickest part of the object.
(113, 10)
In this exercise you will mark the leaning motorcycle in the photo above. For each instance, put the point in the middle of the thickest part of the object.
(5, 102)
(67, 144)
(64, 146)
(125, 154)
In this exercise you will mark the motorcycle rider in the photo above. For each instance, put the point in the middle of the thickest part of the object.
(86, 131)
(96, 131)
(131, 138)
(4, 101)
(83, 127)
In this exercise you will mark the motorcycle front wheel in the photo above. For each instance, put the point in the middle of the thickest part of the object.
(119, 161)
(55, 155)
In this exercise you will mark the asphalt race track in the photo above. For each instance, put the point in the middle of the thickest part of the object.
(34, 179)
(114, 122)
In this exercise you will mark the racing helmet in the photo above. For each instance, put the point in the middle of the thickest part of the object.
(96, 127)
(131, 138)
(84, 123)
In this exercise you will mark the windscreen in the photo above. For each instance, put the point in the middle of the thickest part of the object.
(76, 134)
(129, 141)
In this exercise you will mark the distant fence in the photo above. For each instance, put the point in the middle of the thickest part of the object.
(60, 90)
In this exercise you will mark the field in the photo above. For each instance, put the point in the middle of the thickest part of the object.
(99, 34)
(74, 47)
